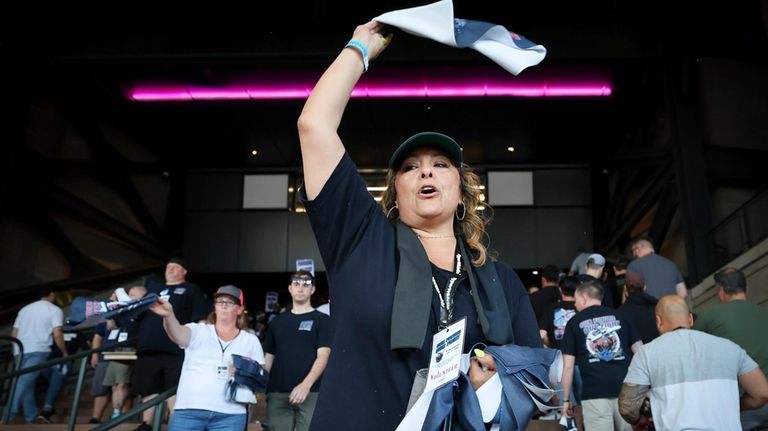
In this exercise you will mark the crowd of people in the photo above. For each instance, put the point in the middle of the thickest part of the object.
(174, 346)
(639, 360)
(645, 362)
(401, 273)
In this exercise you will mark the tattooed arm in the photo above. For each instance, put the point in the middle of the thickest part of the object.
(755, 388)
(631, 400)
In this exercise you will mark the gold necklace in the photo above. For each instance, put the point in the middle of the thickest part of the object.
(420, 236)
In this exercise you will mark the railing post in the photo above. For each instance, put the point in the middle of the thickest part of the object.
(138, 409)
(12, 390)
(743, 234)
(78, 392)
(159, 413)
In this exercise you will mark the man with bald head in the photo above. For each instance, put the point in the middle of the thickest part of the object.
(693, 378)
(661, 274)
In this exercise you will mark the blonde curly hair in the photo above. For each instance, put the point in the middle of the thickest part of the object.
(471, 228)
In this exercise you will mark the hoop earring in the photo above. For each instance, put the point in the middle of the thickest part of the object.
(389, 213)
(463, 212)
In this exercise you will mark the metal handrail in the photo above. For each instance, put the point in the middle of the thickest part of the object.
(83, 356)
(159, 413)
(72, 357)
(726, 244)
(16, 365)
(735, 213)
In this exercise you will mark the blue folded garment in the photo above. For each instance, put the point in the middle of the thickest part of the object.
(87, 312)
(249, 374)
(524, 374)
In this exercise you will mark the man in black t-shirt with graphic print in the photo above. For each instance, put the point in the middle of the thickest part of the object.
(600, 340)
(552, 322)
(296, 350)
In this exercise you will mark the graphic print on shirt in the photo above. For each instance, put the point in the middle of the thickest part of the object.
(561, 318)
(602, 338)
(306, 325)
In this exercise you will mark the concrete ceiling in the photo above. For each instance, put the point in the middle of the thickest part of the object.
(84, 58)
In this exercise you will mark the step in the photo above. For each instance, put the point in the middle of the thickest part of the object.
(62, 427)
(86, 427)
(544, 425)
(533, 426)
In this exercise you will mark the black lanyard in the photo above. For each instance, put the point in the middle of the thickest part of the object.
(446, 297)
(223, 347)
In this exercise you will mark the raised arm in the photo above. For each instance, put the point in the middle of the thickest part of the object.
(321, 147)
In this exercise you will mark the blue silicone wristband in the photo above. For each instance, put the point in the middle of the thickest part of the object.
(356, 44)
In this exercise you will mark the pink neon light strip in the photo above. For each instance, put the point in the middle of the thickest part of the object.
(390, 84)
(160, 94)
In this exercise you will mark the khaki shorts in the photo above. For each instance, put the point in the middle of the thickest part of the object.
(98, 388)
(117, 372)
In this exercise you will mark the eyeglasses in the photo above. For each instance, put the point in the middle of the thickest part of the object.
(301, 283)
(225, 304)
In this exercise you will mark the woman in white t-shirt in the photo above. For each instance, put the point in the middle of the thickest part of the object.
(200, 401)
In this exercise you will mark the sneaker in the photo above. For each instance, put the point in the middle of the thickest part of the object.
(41, 420)
(94, 421)
(47, 414)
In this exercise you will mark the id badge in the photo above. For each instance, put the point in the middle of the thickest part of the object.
(122, 337)
(113, 334)
(222, 372)
(445, 358)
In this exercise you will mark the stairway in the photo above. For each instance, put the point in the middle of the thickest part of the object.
(64, 405)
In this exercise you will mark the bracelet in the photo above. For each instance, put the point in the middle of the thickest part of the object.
(566, 401)
(356, 44)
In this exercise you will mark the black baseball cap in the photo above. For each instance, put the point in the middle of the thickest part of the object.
(178, 261)
(440, 141)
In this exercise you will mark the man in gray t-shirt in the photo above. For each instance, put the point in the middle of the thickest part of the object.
(692, 378)
(579, 264)
(661, 274)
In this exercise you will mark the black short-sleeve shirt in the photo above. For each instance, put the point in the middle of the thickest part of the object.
(189, 305)
(554, 319)
(294, 339)
(365, 379)
(601, 339)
